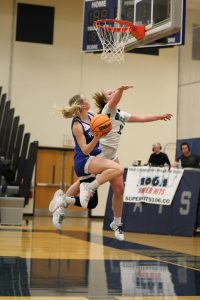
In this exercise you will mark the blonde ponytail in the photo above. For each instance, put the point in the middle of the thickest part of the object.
(74, 108)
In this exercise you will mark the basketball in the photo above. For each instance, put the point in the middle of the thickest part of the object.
(101, 124)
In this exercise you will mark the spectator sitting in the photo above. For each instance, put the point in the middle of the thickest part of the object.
(158, 158)
(188, 159)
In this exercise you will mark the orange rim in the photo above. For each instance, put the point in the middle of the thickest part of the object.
(138, 31)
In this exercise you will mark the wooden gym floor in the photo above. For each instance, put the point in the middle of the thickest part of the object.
(83, 262)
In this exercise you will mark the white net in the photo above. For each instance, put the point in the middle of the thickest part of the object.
(113, 42)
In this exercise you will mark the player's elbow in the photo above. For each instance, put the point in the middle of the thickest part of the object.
(85, 152)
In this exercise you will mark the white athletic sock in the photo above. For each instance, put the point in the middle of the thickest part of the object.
(93, 185)
(69, 200)
(118, 221)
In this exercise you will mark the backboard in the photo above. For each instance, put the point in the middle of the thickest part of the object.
(163, 19)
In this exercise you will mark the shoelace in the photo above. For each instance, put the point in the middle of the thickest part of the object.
(61, 217)
(120, 229)
(91, 193)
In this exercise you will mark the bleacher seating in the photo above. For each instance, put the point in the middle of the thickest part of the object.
(18, 154)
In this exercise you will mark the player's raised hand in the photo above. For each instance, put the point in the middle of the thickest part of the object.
(125, 87)
(166, 117)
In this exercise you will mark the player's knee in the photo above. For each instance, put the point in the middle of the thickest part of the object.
(120, 170)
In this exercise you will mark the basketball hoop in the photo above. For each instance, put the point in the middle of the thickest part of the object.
(114, 35)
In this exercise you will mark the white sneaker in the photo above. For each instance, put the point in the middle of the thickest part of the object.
(118, 230)
(57, 201)
(85, 194)
(58, 217)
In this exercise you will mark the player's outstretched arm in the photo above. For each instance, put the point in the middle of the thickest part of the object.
(142, 119)
(117, 95)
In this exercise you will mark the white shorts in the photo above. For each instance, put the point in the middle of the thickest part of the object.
(108, 152)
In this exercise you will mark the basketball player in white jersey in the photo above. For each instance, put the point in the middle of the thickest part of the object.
(107, 103)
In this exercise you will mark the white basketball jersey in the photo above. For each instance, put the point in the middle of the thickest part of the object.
(118, 118)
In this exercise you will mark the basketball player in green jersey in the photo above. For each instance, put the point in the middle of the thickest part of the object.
(107, 104)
